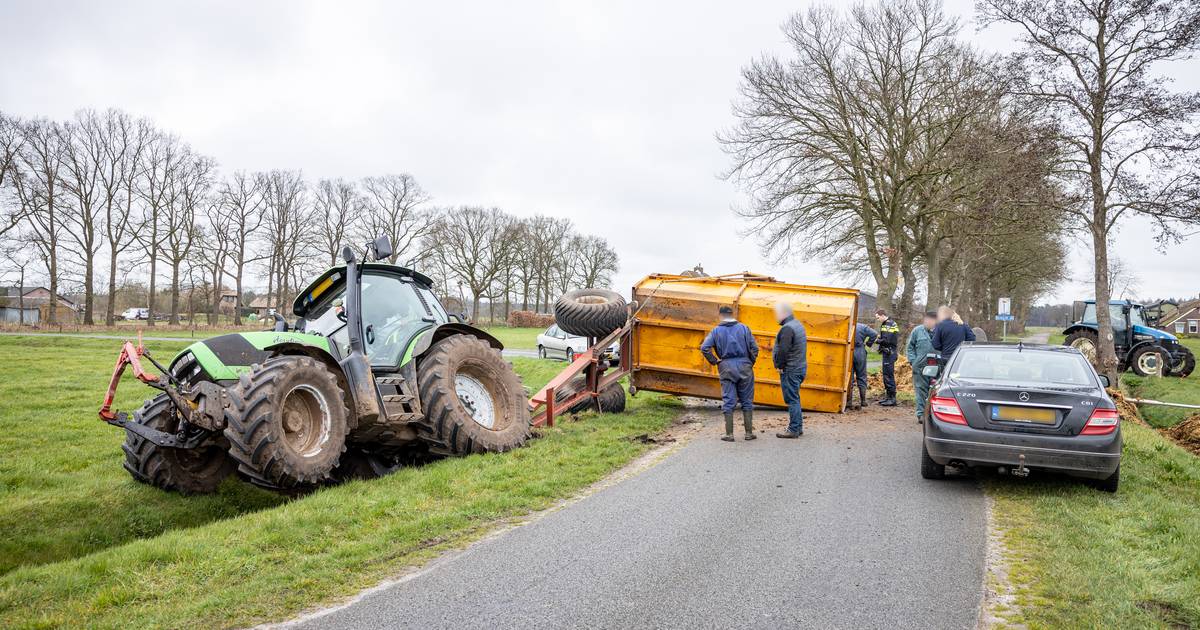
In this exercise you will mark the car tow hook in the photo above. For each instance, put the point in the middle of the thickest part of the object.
(1021, 470)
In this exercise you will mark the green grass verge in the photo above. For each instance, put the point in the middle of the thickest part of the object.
(1081, 558)
(1176, 390)
(516, 338)
(86, 545)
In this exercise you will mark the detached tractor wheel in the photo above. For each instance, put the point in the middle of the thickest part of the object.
(612, 398)
(472, 400)
(1184, 367)
(1148, 361)
(190, 471)
(1087, 343)
(286, 423)
(590, 312)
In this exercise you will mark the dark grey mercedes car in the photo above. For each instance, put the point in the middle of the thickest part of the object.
(1021, 408)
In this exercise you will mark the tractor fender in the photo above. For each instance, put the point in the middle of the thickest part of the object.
(453, 328)
(1149, 342)
(1074, 328)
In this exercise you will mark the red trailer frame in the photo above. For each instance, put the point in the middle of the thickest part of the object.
(598, 374)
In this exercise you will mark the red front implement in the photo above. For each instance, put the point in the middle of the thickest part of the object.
(131, 355)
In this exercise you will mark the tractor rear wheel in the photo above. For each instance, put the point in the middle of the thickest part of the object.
(286, 423)
(590, 312)
(1148, 361)
(190, 471)
(1087, 342)
(471, 399)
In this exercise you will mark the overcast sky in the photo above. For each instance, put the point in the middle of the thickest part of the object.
(602, 112)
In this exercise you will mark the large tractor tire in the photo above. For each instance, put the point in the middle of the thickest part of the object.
(471, 399)
(1086, 342)
(1184, 367)
(286, 423)
(189, 471)
(1149, 360)
(590, 312)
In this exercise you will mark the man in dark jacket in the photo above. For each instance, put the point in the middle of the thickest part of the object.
(949, 333)
(889, 338)
(864, 336)
(791, 359)
(731, 347)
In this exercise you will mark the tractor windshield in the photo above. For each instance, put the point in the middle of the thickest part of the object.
(394, 312)
(1116, 314)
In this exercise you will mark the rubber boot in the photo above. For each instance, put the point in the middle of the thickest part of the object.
(889, 401)
(748, 420)
(728, 426)
(862, 396)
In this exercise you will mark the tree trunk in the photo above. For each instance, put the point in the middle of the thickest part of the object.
(174, 293)
(110, 312)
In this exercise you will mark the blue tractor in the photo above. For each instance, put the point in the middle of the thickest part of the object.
(1146, 350)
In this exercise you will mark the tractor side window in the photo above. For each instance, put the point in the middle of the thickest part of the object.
(1117, 314)
(394, 313)
(1089, 314)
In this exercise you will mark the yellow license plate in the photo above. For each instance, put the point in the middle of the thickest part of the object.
(1038, 415)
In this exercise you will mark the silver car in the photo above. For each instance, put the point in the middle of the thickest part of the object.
(557, 343)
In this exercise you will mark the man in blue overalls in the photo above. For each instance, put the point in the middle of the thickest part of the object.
(731, 347)
(864, 336)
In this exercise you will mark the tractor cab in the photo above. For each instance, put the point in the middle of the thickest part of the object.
(1147, 350)
(397, 306)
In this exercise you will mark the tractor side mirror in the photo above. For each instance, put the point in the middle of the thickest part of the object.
(381, 247)
(1104, 381)
(930, 371)
(348, 254)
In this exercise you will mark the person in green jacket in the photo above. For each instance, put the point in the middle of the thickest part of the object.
(920, 343)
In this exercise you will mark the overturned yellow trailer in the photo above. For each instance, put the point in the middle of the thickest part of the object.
(673, 313)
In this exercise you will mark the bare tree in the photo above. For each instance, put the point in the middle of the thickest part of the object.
(290, 232)
(123, 141)
(40, 196)
(242, 202)
(83, 143)
(1131, 143)
(189, 191)
(597, 261)
(837, 143)
(12, 140)
(339, 209)
(474, 244)
(393, 207)
(158, 189)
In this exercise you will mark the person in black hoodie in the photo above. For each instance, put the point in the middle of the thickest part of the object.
(949, 333)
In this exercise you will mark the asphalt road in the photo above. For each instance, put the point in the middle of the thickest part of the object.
(834, 530)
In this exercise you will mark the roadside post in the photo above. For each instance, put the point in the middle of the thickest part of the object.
(1004, 315)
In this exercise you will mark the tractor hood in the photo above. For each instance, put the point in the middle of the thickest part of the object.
(226, 357)
(1147, 331)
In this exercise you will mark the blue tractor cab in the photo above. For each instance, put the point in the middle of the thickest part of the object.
(1140, 347)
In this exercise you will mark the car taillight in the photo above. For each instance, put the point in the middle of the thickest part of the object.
(946, 410)
(1102, 422)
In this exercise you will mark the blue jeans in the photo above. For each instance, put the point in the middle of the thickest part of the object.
(790, 380)
(737, 385)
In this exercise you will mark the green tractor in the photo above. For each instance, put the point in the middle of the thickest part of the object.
(373, 375)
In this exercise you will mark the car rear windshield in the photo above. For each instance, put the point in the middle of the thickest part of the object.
(1023, 366)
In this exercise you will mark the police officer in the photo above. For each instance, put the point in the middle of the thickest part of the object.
(889, 338)
(864, 336)
(731, 347)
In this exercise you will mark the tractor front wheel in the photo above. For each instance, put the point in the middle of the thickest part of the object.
(286, 423)
(471, 399)
(1183, 367)
(190, 471)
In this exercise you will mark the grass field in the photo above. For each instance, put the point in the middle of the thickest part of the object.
(516, 338)
(1081, 558)
(84, 544)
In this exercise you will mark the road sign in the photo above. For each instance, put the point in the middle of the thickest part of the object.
(1004, 317)
(1005, 306)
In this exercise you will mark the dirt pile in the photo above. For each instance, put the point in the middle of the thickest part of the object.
(1127, 408)
(1187, 434)
(904, 376)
